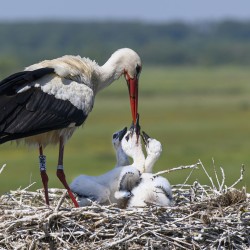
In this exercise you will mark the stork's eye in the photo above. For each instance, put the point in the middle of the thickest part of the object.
(115, 135)
(138, 69)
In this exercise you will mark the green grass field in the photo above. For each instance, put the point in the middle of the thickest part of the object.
(196, 113)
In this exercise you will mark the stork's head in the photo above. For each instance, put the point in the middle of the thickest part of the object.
(128, 63)
(117, 137)
(132, 72)
(153, 147)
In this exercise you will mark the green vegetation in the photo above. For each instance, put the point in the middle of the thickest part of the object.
(207, 43)
(196, 112)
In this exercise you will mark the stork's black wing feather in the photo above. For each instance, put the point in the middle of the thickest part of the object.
(10, 84)
(33, 112)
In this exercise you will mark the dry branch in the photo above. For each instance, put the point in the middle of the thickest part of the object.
(194, 166)
(2, 168)
(241, 177)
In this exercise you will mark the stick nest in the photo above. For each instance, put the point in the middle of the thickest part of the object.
(203, 217)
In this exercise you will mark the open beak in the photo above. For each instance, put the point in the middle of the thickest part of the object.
(133, 95)
(122, 133)
(145, 138)
(135, 127)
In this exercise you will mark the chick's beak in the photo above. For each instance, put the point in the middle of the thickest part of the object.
(135, 127)
(133, 95)
(145, 137)
(122, 133)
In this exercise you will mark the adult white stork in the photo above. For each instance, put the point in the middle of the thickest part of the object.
(47, 101)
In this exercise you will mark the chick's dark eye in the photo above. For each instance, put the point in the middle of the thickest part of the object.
(127, 137)
(115, 136)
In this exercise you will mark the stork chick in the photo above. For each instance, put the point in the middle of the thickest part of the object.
(151, 189)
(121, 157)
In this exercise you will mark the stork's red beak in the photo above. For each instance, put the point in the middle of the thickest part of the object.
(133, 95)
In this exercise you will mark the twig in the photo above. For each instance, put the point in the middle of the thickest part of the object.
(223, 180)
(2, 168)
(178, 243)
(119, 241)
(28, 186)
(215, 173)
(184, 183)
(194, 166)
(184, 218)
(209, 177)
(61, 201)
(242, 170)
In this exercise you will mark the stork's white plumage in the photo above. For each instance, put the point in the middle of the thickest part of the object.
(102, 188)
(151, 190)
(153, 149)
(47, 101)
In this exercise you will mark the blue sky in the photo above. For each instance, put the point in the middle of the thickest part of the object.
(157, 10)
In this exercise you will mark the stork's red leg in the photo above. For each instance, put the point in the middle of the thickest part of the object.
(44, 176)
(60, 173)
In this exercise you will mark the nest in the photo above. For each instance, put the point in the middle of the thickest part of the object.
(203, 217)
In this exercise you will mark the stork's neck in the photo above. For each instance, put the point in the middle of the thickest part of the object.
(122, 158)
(139, 158)
(149, 163)
(108, 73)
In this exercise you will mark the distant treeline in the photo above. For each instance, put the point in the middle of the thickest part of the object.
(206, 43)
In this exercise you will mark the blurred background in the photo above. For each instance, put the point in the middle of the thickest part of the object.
(194, 92)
